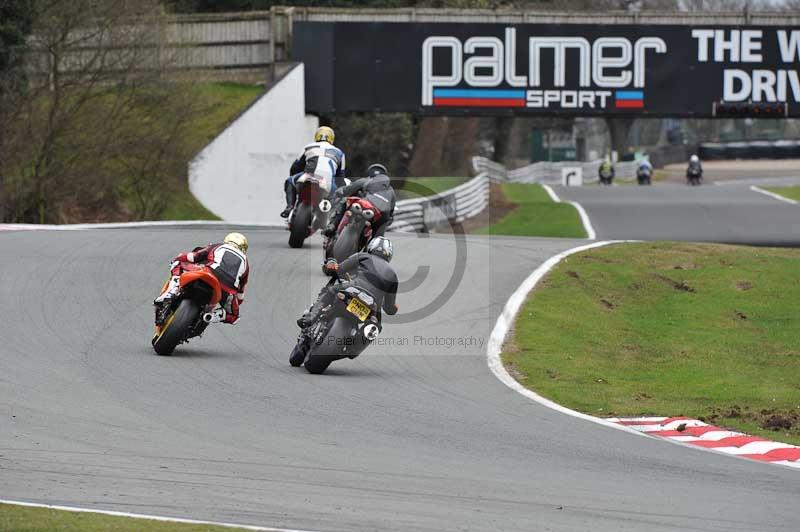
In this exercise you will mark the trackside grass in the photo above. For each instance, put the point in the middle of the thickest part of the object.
(25, 519)
(786, 192)
(222, 103)
(701, 330)
(535, 214)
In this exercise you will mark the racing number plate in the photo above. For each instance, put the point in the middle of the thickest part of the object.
(358, 309)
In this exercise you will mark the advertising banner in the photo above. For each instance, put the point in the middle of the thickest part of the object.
(571, 69)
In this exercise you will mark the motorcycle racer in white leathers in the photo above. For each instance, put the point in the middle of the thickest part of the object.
(321, 159)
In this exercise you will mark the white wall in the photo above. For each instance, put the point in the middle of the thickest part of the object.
(239, 175)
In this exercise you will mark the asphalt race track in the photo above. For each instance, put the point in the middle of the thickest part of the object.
(708, 213)
(407, 437)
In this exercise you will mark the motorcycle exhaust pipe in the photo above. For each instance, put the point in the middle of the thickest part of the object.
(371, 332)
(207, 317)
(356, 208)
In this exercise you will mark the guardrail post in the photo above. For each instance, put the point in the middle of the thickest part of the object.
(271, 71)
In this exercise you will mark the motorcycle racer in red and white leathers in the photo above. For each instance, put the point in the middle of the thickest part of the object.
(228, 261)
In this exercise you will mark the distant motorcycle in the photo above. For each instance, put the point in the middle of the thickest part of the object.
(187, 315)
(345, 328)
(694, 177)
(606, 176)
(355, 229)
(310, 213)
(643, 175)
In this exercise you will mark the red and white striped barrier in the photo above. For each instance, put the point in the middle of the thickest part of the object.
(695, 432)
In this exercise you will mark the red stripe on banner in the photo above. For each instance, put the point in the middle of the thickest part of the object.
(733, 441)
(630, 104)
(479, 102)
(789, 453)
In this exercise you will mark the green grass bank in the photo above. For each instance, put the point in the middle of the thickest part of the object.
(786, 192)
(529, 211)
(223, 102)
(708, 331)
(27, 519)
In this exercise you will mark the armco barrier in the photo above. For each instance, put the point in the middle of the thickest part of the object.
(547, 172)
(452, 206)
(757, 149)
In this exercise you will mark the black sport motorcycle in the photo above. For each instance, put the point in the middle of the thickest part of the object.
(354, 231)
(643, 175)
(606, 176)
(345, 328)
(694, 177)
(310, 212)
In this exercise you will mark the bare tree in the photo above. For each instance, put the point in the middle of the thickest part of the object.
(89, 136)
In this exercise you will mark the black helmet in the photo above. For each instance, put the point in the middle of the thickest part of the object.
(376, 169)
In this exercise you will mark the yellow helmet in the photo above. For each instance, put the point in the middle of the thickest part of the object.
(324, 134)
(238, 240)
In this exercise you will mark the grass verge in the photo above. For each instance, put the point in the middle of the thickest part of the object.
(416, 187)
(28, 519)
(535, 214)
(786, 192)
(701, 330)
(222, 102)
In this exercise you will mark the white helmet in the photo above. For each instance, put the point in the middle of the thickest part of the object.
(382, 247)
(694, 159)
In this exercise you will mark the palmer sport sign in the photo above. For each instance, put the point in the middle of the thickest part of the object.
(540, 69)
(608, 72)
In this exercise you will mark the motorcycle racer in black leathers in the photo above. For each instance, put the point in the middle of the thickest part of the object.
(377, 188)
(369, 271)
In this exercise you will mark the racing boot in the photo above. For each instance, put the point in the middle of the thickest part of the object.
(315, 311)
(291, 199)
(309, 317)
(173, 289)
(330, 229)
(336, 218)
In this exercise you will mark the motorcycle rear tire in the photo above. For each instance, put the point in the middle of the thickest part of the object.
(300, 224)
(317, 364)
(175, 329)
(346, 244)
(320, 356)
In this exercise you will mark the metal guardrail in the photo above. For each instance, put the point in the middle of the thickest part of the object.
(758, 149)
(549, 173)
(426, 214)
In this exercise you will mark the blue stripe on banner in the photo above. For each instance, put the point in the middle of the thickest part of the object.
(477, 93)
(630, 95)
